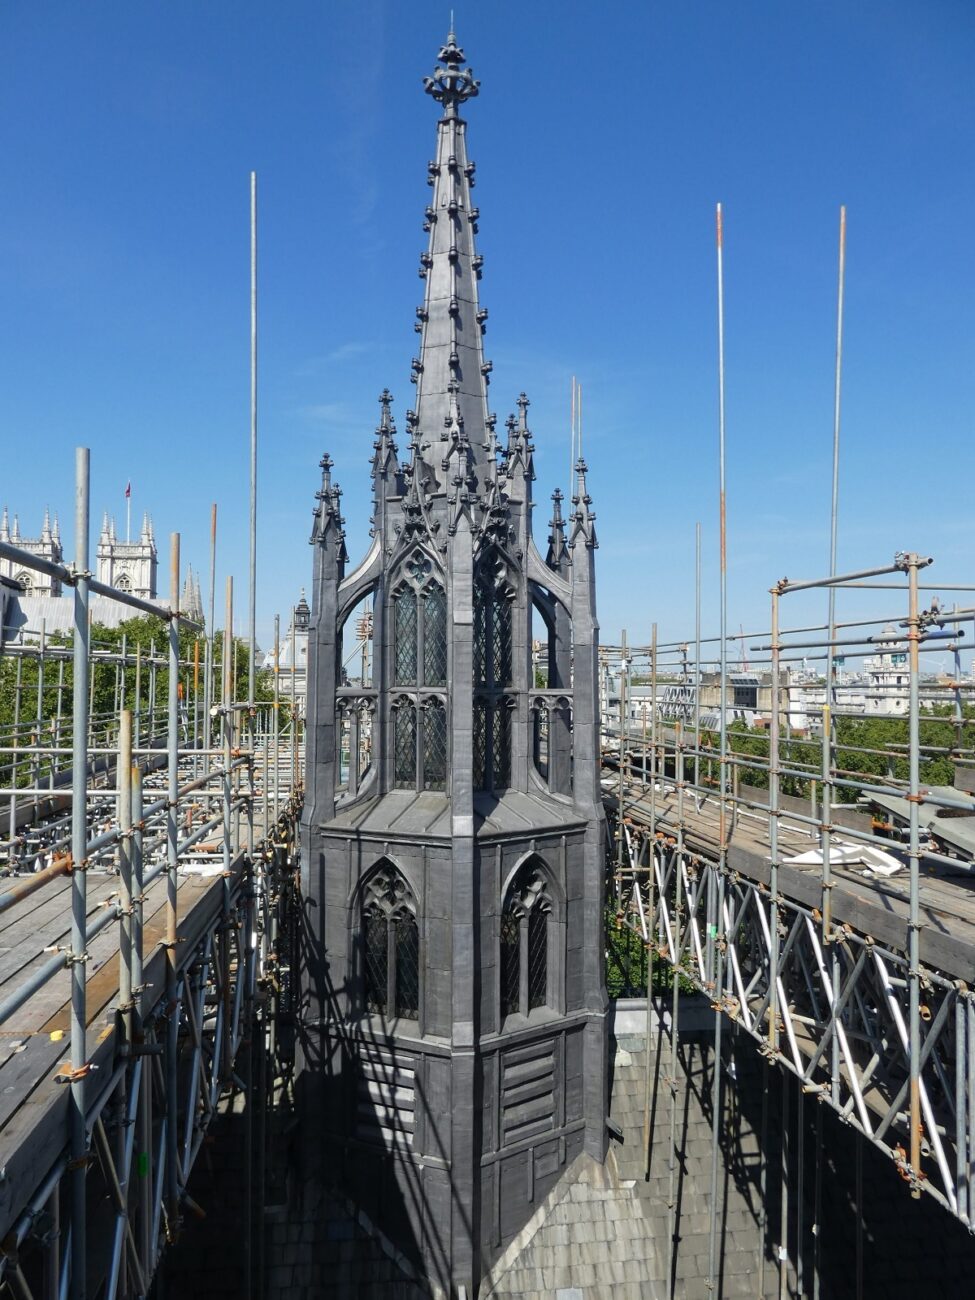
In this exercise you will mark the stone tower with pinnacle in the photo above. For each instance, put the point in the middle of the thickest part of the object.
(452, 1036)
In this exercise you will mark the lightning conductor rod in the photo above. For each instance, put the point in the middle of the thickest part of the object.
(718, 918)
(252, 630)
(828, 721)
(572, 438)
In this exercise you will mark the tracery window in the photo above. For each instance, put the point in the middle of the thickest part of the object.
(525, 936)
(419, 711)
(493, 662)
(390, 945)
(26, 581)
(123, 582)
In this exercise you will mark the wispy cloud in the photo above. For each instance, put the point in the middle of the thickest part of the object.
(341, 355)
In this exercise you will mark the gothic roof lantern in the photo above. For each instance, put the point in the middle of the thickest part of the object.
(448, 766)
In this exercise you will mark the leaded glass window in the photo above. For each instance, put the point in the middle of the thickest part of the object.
(390, 945)
(376, 959)
(407, 999)
(500, 745)
(434, 746)
(501, 639)
(525, 941)
(492, 635)
(404, 745)
(404, 634)
(434, 637)
(493, 673)
(510, 964)
(537, 957)
(419, 617)
(480, 745)
(480, 637)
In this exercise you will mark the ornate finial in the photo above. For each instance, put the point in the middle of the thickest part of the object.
(453, 84)
(386, 416)
(523, 405)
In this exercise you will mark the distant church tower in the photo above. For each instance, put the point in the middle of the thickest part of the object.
(130, 566)
(452, 1038)
(47, 547)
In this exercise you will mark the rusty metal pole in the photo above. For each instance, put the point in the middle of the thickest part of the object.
(79, 881)
(208, 653)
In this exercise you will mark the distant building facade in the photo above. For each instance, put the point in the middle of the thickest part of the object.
(45, 547)
(129, 566)
(292, 657)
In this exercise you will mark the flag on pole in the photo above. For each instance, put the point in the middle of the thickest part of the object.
(128, 488)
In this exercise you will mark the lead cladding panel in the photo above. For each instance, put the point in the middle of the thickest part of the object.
(386, 1097)
(528, 1082)
(489, 1102)
(437, 1108)
(515, 1176)
(574, 1050)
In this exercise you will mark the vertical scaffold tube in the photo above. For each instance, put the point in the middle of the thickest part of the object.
(208, 659)
(228, 721)
(773, 831)
(914, 921)
(675, 958)
(716, 918)
(172, 864)
(275, 722)
(125, 951)
(79, 886)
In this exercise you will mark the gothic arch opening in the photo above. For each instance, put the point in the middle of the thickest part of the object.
(390, 944)
(493, 672)
(355, 700)
(529, 942)
(418, 710)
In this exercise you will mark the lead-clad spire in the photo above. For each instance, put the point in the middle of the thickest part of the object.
(450, 372)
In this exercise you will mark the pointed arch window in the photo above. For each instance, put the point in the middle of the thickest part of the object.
(404, 633)
(434, 774)
(419, 713)
(493, 670)
(390, 945)
(404, 743)
(526, 937)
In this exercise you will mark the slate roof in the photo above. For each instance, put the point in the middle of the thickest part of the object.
(404, 813)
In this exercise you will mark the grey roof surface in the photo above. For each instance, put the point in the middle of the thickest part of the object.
(406, 813)
(25, 613)
(957, 831)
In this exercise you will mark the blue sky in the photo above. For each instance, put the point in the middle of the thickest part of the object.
(604, 135)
